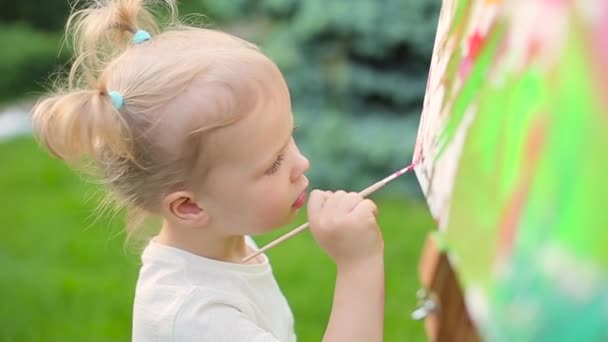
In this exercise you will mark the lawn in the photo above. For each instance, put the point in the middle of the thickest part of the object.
(67, 277)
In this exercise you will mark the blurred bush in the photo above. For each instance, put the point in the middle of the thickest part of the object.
(27, 60)
(48, 15)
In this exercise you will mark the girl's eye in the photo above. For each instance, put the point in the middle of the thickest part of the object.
(275, 166)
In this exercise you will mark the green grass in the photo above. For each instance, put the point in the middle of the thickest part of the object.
(66, 278)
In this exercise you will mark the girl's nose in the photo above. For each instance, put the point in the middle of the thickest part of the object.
(302, 165)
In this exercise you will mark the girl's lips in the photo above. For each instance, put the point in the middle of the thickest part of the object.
(300, 201)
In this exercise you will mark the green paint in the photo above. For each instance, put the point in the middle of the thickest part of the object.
(451, 76)
(461, 17)
(472, 85)
(578, 152)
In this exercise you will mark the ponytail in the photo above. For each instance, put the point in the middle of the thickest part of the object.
(105, 29)
(73, 125)
(79, 118)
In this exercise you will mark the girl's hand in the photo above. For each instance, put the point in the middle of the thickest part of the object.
(344, 225)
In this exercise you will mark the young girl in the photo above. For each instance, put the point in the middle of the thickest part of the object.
(194, 126)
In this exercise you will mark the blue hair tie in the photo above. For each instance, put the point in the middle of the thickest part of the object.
(141, 36)
(116, 98)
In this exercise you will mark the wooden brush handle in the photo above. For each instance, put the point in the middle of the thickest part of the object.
(364, 193)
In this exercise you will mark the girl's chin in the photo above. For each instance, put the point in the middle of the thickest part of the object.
(291, 216)
(278, 224)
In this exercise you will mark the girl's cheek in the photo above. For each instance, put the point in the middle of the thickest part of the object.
(275, 201)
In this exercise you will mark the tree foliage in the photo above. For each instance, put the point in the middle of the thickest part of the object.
(357, 73)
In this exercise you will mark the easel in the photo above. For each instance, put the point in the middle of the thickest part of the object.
(441, 301)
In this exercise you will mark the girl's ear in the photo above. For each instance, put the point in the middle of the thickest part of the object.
(181, 207)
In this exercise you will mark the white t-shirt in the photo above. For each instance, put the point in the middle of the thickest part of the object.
(183, 297)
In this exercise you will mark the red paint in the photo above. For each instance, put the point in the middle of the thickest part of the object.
(402, 171)
(476, 42)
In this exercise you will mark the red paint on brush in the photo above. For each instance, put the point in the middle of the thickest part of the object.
(407, 169)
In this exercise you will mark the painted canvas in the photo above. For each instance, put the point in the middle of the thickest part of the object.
(512, 156)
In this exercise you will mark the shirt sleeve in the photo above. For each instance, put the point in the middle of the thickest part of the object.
(217, 322)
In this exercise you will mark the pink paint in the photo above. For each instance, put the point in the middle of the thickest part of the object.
(557, 2)
(602, 32)
(419, 157)
(600, 57)
(465, 67)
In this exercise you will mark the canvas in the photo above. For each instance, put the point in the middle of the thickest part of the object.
(512, 158)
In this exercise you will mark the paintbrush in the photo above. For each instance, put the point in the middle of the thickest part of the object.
(366, 192)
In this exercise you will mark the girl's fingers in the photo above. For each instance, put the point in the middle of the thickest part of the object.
(349, 202)
(333, 201)
(367, 207)
(316, 202)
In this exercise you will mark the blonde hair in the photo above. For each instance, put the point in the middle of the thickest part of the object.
(200, 78)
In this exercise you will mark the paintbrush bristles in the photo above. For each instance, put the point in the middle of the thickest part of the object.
(366, 192)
